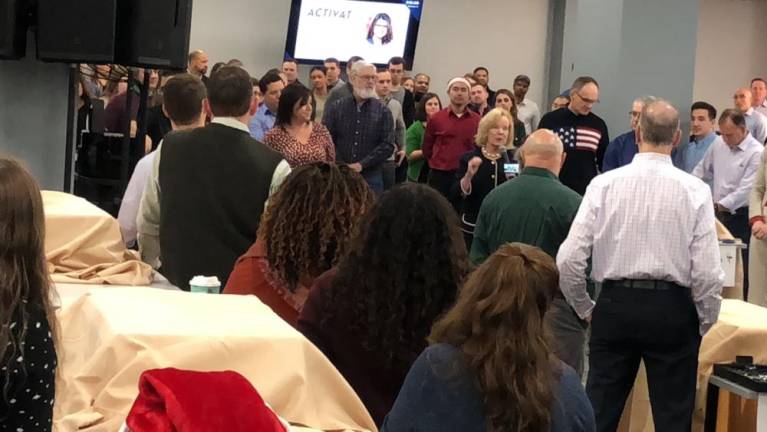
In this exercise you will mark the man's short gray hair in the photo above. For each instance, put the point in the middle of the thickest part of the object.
(659, 123)
(733, 115)
(582, 81)
(358, 66)
(644, 100)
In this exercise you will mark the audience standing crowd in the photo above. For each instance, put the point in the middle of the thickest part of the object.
(441, 246)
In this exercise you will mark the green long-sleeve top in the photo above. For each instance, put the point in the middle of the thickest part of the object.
(534, 209)
(413, 142)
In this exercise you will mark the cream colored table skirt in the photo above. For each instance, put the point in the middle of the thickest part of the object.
(109, 336)
(83, 244)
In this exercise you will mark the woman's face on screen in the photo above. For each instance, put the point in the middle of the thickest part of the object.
(380, 28)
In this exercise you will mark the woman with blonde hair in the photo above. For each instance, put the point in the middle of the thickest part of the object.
(27, 322)
(490, 367)
(486, 167)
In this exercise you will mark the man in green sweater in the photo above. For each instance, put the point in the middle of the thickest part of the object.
(536, 209)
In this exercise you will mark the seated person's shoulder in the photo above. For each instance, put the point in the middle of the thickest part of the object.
(573, 410)
(568, 378)
(441, 353)
(441, 364)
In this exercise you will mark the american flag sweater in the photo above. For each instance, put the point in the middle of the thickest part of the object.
(585, 138)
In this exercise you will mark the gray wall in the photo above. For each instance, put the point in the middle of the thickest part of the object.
(730, 49)
(632, 48)
(509, 37)
(33, 116)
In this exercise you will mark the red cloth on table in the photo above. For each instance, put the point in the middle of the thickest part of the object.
(173, 400)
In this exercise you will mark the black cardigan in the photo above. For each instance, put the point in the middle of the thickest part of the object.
(489, 176)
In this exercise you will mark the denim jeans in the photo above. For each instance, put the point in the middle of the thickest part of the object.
(374, 178)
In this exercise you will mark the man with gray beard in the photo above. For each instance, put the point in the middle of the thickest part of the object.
(362, 127)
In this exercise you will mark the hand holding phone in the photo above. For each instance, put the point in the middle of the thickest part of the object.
(511, 170)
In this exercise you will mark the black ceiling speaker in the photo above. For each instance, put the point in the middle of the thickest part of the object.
(13, 29)
(153, 33)
(76, 31)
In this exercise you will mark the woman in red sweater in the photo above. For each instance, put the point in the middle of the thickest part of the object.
(303, 232)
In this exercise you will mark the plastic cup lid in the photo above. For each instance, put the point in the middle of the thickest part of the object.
(206, 281)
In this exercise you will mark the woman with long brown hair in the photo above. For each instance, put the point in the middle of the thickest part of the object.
(304, 231)
(504, 98)
(490, 368)
(27, 323)
(417, 168)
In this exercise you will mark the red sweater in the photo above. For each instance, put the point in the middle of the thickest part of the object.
(448, 137)
(251, 275)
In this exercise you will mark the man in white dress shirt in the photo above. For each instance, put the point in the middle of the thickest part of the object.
(183, 99)
(649, 229)
(756, 122)
(527, 110)
(730, 165)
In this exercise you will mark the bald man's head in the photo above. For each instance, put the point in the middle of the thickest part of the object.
(742, 99)
(543, 149)
(659, 124)
(198, 62)
(543, 143)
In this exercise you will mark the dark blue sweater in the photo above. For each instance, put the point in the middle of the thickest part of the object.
(439, 395)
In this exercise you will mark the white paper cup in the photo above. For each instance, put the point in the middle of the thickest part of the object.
(205, 284)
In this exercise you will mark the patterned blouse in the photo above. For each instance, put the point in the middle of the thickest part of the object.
(319, 148)
(28, 374)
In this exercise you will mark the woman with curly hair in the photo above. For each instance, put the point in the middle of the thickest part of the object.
(27, 322)
(490, 367)
(303, 232)
(371, 315)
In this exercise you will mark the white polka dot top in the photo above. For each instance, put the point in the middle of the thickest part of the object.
(29, 374)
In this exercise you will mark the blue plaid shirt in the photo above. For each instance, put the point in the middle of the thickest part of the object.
(362, 133)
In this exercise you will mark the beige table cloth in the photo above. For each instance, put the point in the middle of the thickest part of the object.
(741, 330)
(110, 336)
(732, 292)
(83, 244)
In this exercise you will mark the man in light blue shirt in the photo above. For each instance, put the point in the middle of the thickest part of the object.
(731, 164)
(271, 86)
(756, 122)
(702, 117)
